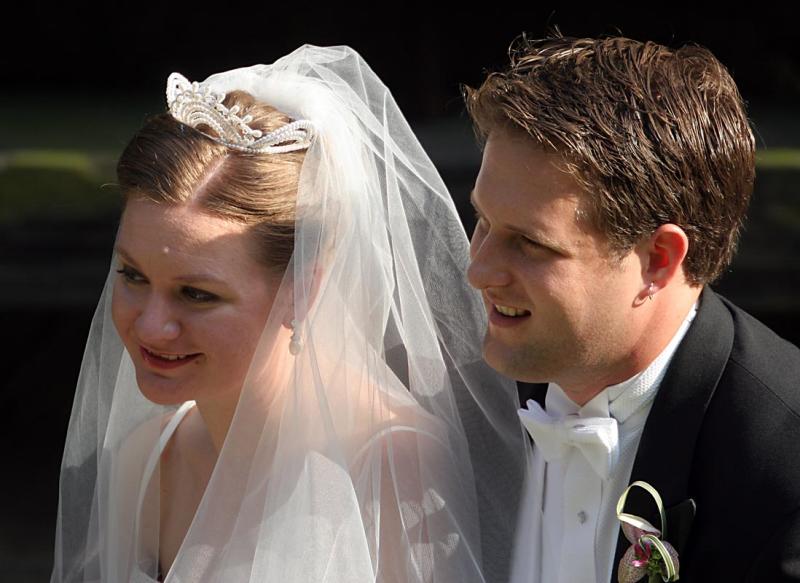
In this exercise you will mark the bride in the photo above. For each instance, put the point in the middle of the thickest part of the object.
(283, 380)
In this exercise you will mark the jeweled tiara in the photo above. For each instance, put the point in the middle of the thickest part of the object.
(193, 104)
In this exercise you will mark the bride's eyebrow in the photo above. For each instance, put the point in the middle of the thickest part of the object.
(190, 278)
(199, 278)
(125, 255)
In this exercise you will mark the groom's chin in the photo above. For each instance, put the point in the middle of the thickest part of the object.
(521, 363)
(502, 358)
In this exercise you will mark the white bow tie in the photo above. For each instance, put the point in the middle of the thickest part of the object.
(596, 438)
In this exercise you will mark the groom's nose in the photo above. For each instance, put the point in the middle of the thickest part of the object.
(487, 267)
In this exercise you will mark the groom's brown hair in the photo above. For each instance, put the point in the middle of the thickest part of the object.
(653, 135)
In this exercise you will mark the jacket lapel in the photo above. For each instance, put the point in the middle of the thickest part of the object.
(666, 450)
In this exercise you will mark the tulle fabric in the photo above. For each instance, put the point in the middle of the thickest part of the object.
(385, 450)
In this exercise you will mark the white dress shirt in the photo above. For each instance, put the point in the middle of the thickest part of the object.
(568, 526)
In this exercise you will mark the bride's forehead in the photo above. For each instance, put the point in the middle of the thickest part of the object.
(160, 232)
(148, 220)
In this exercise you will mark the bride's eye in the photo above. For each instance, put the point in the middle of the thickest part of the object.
(131, 275)
(198, 296)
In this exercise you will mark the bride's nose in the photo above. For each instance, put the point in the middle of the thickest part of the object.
(157, 322)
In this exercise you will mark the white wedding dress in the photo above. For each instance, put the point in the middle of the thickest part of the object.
(318, 466)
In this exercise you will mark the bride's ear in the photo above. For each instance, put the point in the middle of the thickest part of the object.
(294, 312)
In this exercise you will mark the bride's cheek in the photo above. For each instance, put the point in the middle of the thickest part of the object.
(127, 304)
(120, 309)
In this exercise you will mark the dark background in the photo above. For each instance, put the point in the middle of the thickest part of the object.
(77, 80)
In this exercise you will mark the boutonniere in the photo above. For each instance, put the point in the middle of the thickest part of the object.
(648, 554)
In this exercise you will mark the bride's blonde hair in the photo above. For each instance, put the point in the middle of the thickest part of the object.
(169, 162)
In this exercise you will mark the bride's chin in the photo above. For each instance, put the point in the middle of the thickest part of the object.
(163, 391)
(162, 399)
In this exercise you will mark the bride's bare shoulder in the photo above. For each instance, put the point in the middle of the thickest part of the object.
(385, 415)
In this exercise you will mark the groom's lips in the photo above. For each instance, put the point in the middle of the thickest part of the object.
(503, 321)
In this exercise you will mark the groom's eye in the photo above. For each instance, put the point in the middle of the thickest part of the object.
(531, 243)
(481, 227)
(479, 220)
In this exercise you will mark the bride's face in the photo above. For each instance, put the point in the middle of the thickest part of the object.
(190, 301)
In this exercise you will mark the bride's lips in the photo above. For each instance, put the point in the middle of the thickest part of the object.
(154, 360)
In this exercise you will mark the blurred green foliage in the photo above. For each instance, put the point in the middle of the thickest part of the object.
(778, 158)
(76, 184)
(55, 184)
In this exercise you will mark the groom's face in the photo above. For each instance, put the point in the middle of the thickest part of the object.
(559, 303)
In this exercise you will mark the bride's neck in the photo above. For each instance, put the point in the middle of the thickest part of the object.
(218, 413)
(217, 417)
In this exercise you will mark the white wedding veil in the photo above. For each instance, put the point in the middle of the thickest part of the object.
(389, 452)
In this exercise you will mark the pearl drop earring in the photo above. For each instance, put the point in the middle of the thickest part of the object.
(296, 343)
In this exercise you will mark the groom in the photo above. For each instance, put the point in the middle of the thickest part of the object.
(615, 180)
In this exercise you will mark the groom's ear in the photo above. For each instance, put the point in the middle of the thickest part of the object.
(663, 254)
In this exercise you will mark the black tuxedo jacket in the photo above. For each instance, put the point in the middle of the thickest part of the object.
(722, 447)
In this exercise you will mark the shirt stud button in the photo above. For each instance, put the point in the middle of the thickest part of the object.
(582, 517)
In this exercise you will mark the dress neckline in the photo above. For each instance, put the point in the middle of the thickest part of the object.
(152, 461)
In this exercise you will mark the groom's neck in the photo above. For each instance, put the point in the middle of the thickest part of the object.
(654, 330)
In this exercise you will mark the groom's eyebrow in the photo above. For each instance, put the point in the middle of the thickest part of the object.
(474, 202)
(530, 231)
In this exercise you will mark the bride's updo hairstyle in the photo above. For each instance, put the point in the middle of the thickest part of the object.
(172, 163)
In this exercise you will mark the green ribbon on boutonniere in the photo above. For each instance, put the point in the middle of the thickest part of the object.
(648, 554)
